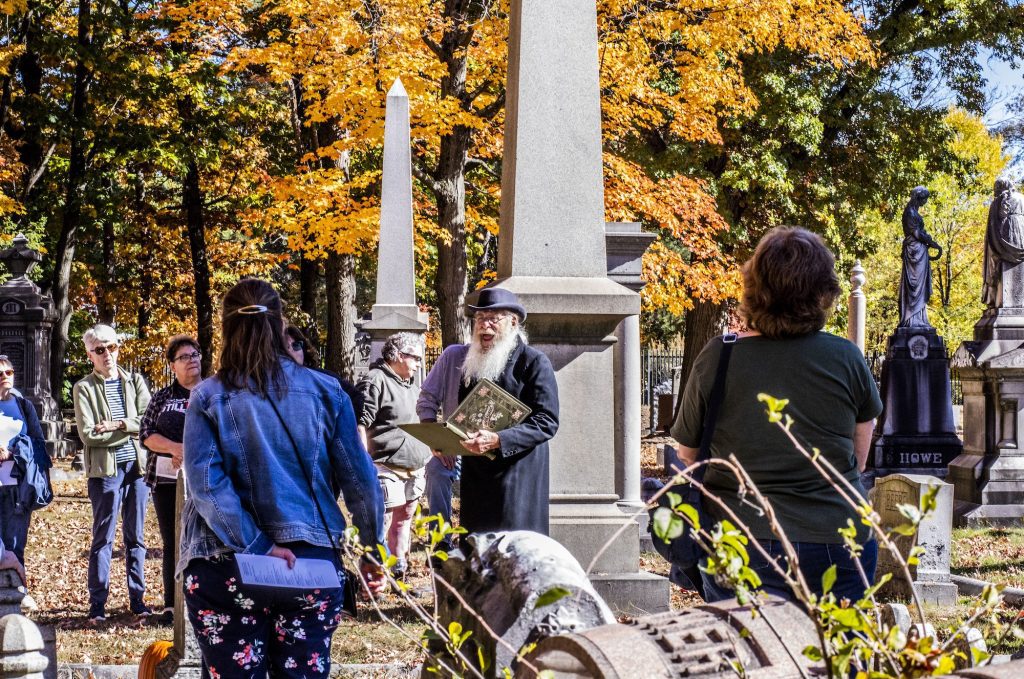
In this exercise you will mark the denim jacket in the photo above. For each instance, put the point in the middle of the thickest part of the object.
(246, 488)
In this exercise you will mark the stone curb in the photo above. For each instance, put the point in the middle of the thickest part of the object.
(86, 671)
(970, 586)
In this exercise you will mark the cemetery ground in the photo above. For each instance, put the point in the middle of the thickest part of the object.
(58, 562)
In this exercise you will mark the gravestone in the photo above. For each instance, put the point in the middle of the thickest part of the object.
(916, 433)
(26, 323)
(930, 576)
(552, 255)
(703, 641)
(395, 308)
(500, 584)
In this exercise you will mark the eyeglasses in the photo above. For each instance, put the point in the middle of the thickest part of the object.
(194, 356)
(100, 350)
(298, 345)
(7, 373)
(483, 318)
(412, 356)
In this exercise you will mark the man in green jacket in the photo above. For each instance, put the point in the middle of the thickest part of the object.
(109, 404)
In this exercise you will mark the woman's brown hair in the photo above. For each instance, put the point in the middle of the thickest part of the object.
(790, 284)
(252, 327)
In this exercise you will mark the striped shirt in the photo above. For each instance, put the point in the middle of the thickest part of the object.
(115, 399)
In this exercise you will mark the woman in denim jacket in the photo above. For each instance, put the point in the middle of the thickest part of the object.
(249, 493)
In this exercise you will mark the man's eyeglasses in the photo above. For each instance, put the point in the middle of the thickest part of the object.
(101, 349)
(298, 345)
(412, 356)
(483, 318)
(194, 356)
(7, 373)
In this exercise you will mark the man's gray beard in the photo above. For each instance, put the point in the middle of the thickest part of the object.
(481, 364)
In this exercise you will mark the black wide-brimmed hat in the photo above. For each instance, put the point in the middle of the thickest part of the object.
(494, 299)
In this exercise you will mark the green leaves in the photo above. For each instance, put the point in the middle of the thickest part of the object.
(551, 596)
(775, 406)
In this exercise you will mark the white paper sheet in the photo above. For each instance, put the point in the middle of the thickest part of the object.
(9, 428)
(274, 572)
(5, 474)
(165, 468)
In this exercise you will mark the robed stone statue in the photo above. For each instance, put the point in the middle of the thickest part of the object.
(916, 281)
(1004, 247)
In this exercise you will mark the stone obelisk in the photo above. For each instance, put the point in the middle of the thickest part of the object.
(395, 309)
(552, 255)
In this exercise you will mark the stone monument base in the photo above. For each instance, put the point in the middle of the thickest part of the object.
(988, 478)
(917, 431)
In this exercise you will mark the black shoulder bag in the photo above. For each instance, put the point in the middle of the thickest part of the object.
(683, 551)
(351, 584)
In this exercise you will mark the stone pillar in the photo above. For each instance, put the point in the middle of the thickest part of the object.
(21, 648)
(626, 244)
(552, 256)
(395, 309)
(26, 322)
(857, 313)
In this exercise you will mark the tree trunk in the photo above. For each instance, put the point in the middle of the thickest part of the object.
(340, 272)
(30, 146)
(309, 274)
(72, 215)
(192, 205)
(450, 193)
(148, 258)
(704, 321)
(104, 307)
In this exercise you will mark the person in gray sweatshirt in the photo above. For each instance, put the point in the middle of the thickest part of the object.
(389, 399)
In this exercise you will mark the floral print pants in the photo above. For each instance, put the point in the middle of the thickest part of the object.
(253, 632)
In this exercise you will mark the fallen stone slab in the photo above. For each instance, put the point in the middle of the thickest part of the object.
(1013, 596)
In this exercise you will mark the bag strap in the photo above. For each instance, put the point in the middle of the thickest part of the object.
(307, 473)
(714, 403)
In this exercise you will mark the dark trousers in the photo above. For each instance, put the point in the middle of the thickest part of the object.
(815, 558)
(164, 497)
(127, 492)
(251, 632)
(13, 522)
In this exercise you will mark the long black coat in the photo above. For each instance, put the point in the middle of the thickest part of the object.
(510, 492)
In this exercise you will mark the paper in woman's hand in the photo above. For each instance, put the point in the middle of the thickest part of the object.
(271, 571)
(9, 428)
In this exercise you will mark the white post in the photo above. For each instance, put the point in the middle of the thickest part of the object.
(857, 315)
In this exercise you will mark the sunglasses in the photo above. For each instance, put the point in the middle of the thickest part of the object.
(412, 356)
(100, 350)
(298, 345)
(7, 373)
(194, 356)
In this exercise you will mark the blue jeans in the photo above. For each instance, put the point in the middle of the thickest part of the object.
(815, 558)
(13, 521)
(247, 631)
(126, 491)
(440, 480)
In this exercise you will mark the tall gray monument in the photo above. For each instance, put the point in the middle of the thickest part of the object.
(988, 478)
(26, 321)
(395, 309)
(552, 255)
(916, 432)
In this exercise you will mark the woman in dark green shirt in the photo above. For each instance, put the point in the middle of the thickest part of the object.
(790, 286)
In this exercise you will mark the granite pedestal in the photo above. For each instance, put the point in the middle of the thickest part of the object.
(916, 432)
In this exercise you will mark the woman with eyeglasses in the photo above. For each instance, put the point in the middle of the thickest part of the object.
(161, 432)
(109, 403)
(304, 353)
(389, 396)
(24, 465)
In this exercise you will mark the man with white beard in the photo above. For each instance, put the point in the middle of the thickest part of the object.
(509, 492)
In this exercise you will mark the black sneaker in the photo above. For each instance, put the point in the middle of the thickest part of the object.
(97, 614)
(140, 609)
(166, 617)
